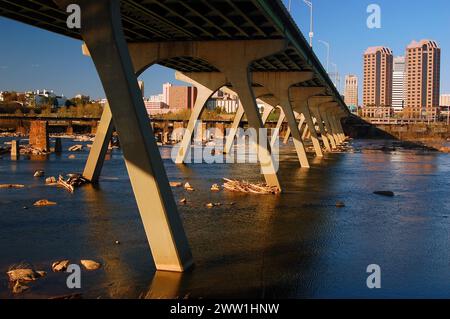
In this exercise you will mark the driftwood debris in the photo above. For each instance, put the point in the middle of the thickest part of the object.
(60, 265)
(76, 148)
(76, 180)
(12, 186)
(29, 150)
(20, 275)
(39, 173)
(65, 184)
(246, 187)
(175, 184)
(51, 180)
(73, 180)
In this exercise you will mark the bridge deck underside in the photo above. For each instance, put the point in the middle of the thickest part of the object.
(193, 20)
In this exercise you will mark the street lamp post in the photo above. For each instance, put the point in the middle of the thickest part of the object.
(311, 33)
(335, 75)
(328, 54)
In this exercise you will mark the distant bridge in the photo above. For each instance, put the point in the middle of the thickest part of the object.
(253, 47)
(399, 121)
(47, 117)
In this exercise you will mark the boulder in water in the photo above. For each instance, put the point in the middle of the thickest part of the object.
(60, 265)
(384, 193)
(90, 264)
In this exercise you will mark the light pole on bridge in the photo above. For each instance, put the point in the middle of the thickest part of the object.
(309, 3)
(311, 33)
(328, 53)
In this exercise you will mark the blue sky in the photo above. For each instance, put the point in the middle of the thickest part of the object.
(31, 58)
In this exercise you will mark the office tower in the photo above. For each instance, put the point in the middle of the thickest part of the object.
(423, 62)
(399, 84)
(377, 88)
(351, 91)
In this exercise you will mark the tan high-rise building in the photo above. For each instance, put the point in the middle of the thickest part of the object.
(377, 87)
(423, 64)
(351, 90)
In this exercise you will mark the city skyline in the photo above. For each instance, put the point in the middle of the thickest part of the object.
(22, 71)
(411, 81)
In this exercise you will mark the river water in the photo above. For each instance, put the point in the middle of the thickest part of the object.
(293, 245)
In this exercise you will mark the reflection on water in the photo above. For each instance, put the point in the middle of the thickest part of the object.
(165, 285)
(293, 245)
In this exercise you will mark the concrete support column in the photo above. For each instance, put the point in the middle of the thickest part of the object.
(278, 83)
(233, 129)
(301, 119)
(328, 128)
(305, 133)
(94, 127)
(341, 115)
(69, 129)
(15, 151)
(335, 127)
(153, 194)
(278, 128)
(206, 84)
(93, 166)
(39, 135)
(58, 145)
(258, 92)
(267, 110)
(178, 131)
(301, 96)
(314, 103)
(330, 110)
(322, 130)
(244, 90)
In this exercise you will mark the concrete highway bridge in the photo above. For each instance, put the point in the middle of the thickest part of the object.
(252, 47)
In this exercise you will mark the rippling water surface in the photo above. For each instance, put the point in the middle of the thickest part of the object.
(294, 245)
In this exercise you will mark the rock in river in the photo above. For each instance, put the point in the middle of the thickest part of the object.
(215, 188)
(340, 204)
(60, 265)
(44, 202)
(90, 264)
(38, 173)
(175, 184)
(384, 193)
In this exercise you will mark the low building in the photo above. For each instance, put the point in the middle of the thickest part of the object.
(182, 97)
(377, 112)
(444, 100)
(156, 107)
